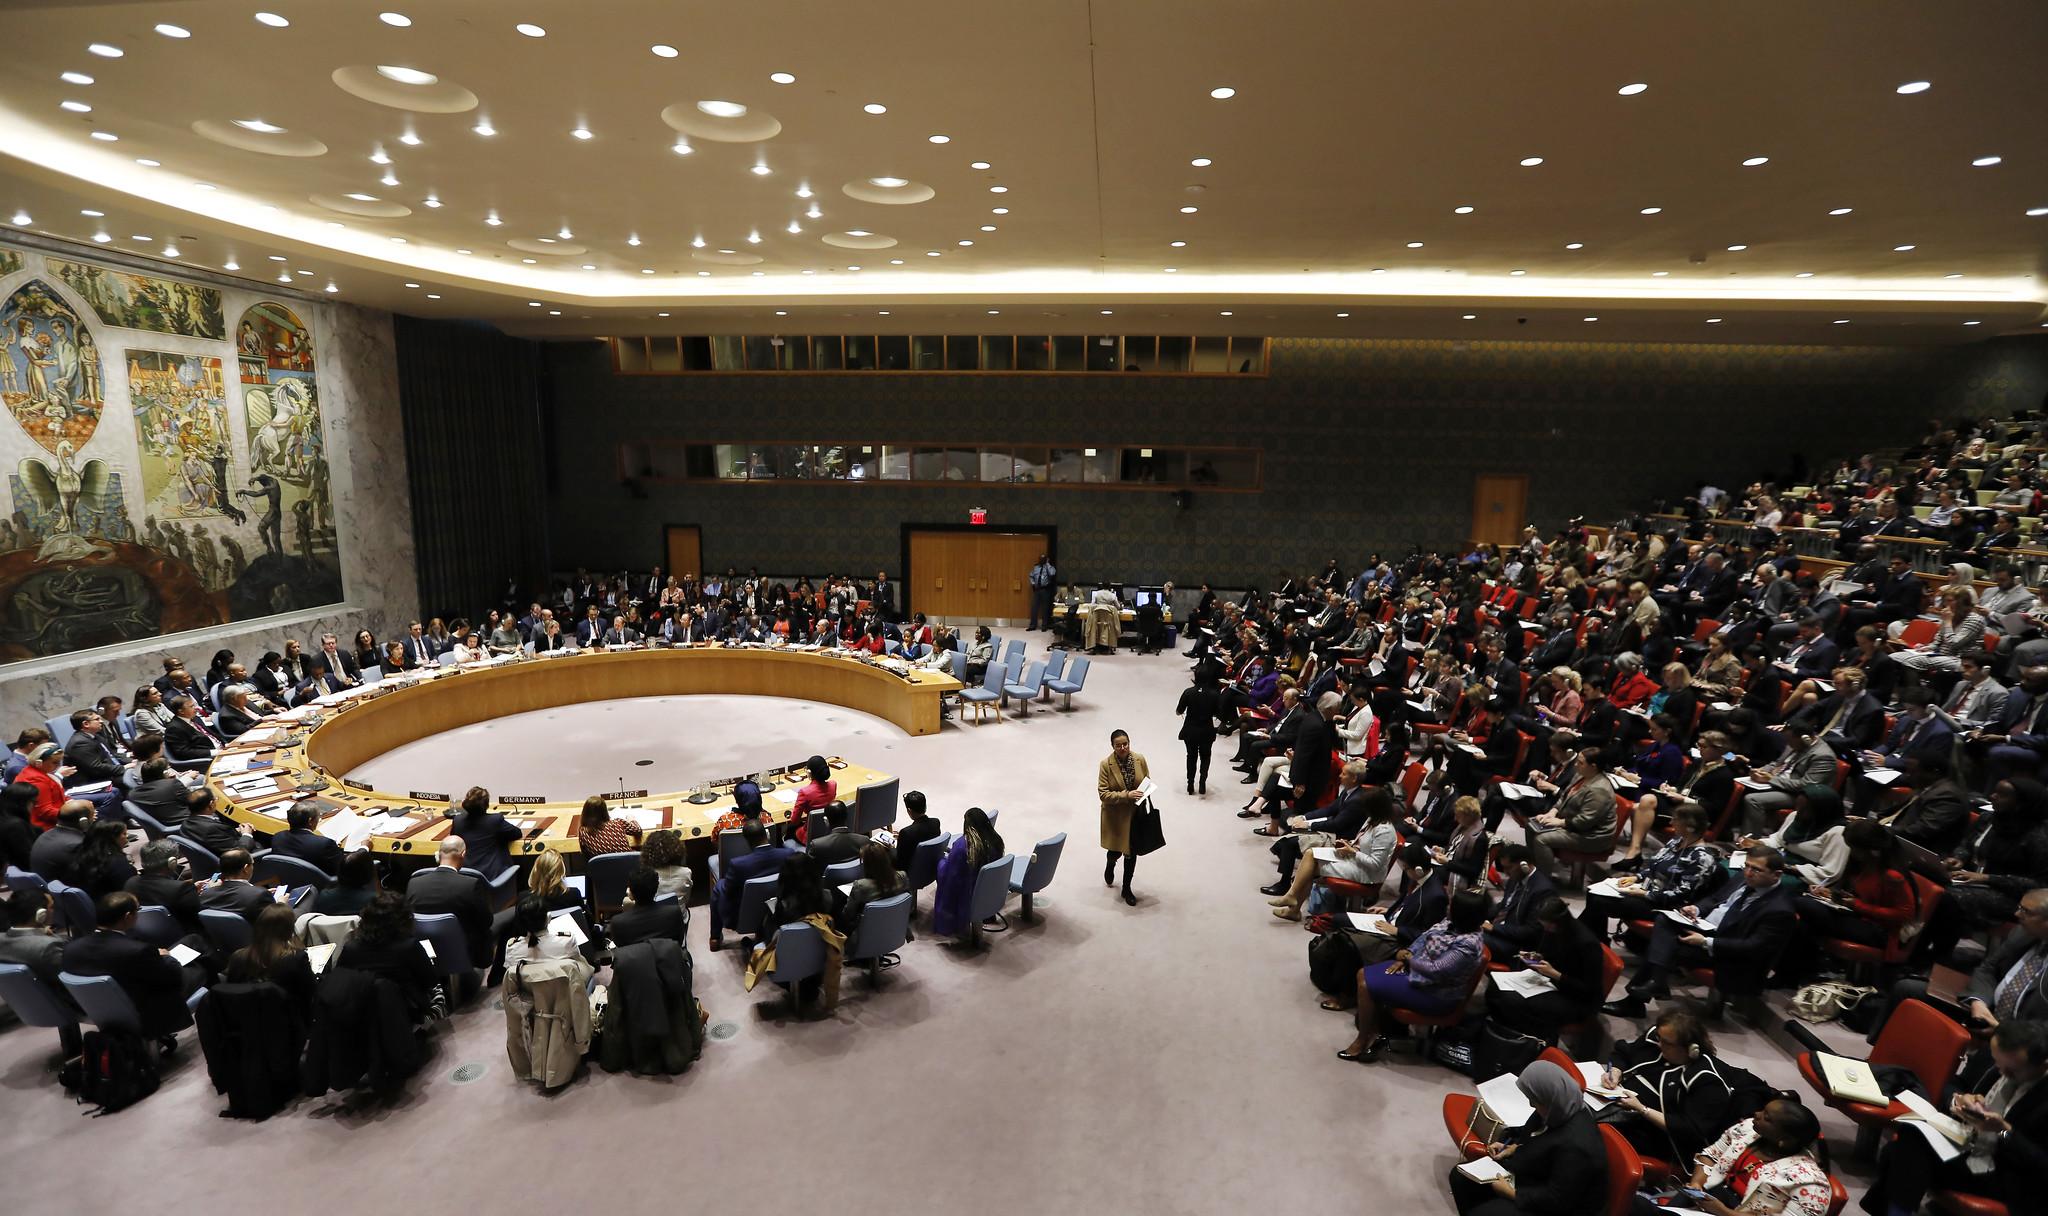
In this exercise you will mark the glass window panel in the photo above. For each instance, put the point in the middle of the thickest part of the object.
(893, 352)
(700, 461)
(996, 465)
(928, 464)
(860, 353)
(664, 354)
(1248, 355)
(1174, 354)
(1212, 355)
(1224, 469)
(827, 354)
(732, 461)
(632, 354)
(763, 462)
(1139, 466)
(760, 354)
(1098, 466)
(963, 464)
(727, 355)
(963, 353)
(1171, 465)
(696, 353)
(927, 353)
(863, 462)
(820, 462)
(895, 464)
(1034, 353)
(1102, 354)
(1032, 464)
(1066, 466)
(1141, 354)
(634, 460)
(1069, 354)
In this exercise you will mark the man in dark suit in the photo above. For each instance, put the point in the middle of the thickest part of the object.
(1813, 655)
(187, 738)
(2006, 1155)
(1308, 768)
(2011, 981)
(320, 680)
(2019, 740)
(236, 718)
(590, 630)
(1848, 720)
(839, 844)
(50, 856)
(419, 649)
(1896, 597)
(302, 842)
(340, 665)
(92, 751)
(152, 980)
(645, 917)
(760, 858)
(1939, 809)
(162, 797)
(446, 889)
(1752, 921)
(620, 633)
(922, 827)
(1524, 886)
(209, 829)
(162, 885)
(234, 892)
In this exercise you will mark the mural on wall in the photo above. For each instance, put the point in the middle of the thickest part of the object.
(49, 368)
(194, 517)
(134, 301)
(10, 262)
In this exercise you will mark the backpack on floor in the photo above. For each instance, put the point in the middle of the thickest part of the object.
(1333, 963)
(117, 1069)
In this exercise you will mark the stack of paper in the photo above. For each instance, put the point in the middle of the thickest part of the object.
(1883, 776)
(1511, 790)
(1505, 1100)
(1483, 1169)
(393, 825)
(1945, 1135)
(348, 829)
(230, 762)
(1607, 886)
(1370, 922)
(649, 820)
(1527, 983)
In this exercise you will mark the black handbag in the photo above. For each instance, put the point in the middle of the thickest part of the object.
(1146, 834)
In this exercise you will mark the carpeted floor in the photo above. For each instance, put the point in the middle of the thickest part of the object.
(1166, 1058)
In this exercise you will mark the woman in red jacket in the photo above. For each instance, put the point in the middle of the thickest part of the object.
(817, 794)
(1868, 904)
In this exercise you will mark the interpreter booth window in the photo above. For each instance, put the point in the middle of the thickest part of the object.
(828, 354)
(928, 464)
(998, 353)
(961, 352)
(731, 461)
(996, 464)
(1033, 465)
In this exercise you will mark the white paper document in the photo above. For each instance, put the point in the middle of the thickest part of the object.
(648, 819)
(1325, 856)
(1527, 983)
(317, 956)
(1882, 776)
(182, 954)
(1147, 788)
(1483, 1169)
(223, 765)
(563, 921)
(1510, 790)
(1607, 886)
(1368, 922)
(1506, 1101)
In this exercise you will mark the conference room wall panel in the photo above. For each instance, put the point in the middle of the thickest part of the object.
(1368, 445)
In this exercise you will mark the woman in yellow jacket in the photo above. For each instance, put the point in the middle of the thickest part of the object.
(1117, 780)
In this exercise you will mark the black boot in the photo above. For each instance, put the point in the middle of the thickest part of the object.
(1130, 864)
(1109, 871)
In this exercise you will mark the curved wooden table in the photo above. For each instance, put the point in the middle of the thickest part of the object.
(318, 743)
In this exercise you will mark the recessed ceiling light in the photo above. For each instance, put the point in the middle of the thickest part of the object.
(259, 126)
(781, 312)
(782, 78)
(1804, 274)
(380, 157)
(964, 244)
(484, 128)
(931, 253)
(858, 232)
(664, 50)
(464, 252)
(995, 312)
(147, 163)
(795, 228)
(1985, 162)
(1660, 274)
(1471, 316)
(396, 19)
(589, 266)
(1576, 245)
(106, 137)
(204, 186)
(633, 240)
(75, 78)
(92, 213)
(988, 227)
(1904, 248)
(754, 238)
(531, 30)
(1914, 86)
(1652, 210)
(1713, 320)
(1592, 318)
(285, 277)
(1223, 94)
(1530, 162)
(887, 183)
(1201, 162)
(493, 220)
(895, 261)
(814, 213)
(432, 296)
(76, 107)
(938, 139)
(430, 201)
(529, 261)
(105, 51)
(1517, 273)
(697, 242)
(1106, 312)
(554, 312)
(361, 197)
(389, 178)
(1952, 276)
(1843, 321)
(581, 133)
(1171, 270)
(722, 109)
(1841, 210)
(173, 31)
(272, 20)
(23, 219)
(979, 164)
(406, 75)
(999, 211)
(760, 170)
(1737, 248)
(1189, 210)
(1415, 244)
(682, 148)
(278, 257)
(1178, 244)
(1630, 90)
(998, 189)
(533, 303)
(884, 312)
(1973, 322)
(875, 107)
(231, 264)
(1754, 161)
(409, 139)
(2037, 211)
(1343, 314)
(1226, 314)
(1462, 210)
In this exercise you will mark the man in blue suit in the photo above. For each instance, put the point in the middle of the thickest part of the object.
(760, 858)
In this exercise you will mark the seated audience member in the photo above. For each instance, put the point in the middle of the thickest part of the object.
(2008, 1134)
(535, 935)
(94, 756)
(236, 718)
(1581, 820)
(30, 942)
(2002, 857)
(646, 915)
(206, 827)
(1570, 957)
(976, 846)
(386, 944)
(923, 826)
(1523, 887)
(663, 853)
(1868, 903)
(1464, 857)
(1661, 761)
(597, 832)
(1848, 720)
(1363, 859)
(1938, 810)
(273, 956)
(162, 884)
(1810, 837)
(150, 978)
(100, 865)
(1680, 1096)
(816, 794)
(801, 897)
(1772, 1162)
(1343, 819)
(878, 880)
(151, 714)
(1430, 977)
(446, 890)
(188, 737)
(1808, 761)
(53, 851)
(23, 747)
(44, 771)
(746, 805)
(1424, 905)
(760, 858)
(353, 888)
(17, 834)
(302, 842)
(842, 843)
(1710, 783)
(1556, 1162)
(234, 892)
(161, 796)
(1677, 875)
(486, 835)
(1750, 923)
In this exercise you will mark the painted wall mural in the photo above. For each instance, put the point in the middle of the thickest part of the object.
(210, 507)
(134, 301)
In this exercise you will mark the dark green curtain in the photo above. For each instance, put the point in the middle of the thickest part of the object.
(473, 405)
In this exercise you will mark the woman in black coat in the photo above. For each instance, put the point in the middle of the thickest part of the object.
(1556, 1162)
(1569, 956)
(1200, 704)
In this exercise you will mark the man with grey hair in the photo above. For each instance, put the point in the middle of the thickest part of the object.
(162, 884)
(446, 889)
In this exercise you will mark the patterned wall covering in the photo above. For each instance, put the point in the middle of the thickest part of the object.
(178, 463)
(1370, 445)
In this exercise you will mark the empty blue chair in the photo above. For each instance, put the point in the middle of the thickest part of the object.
(205, 862)
(155, 924)
(990, 692)
(25, 880)
(1045, 860)
(731, 843)
(373, 674)
(991, 888)
(451, 948)
(500, 892)
(924, 864)
(874, 806)
(839, 873)
(291, 871)
(448, 659)
(1055, 667)
(1027, 689)
(1076, 676)
(105, 1005)
(1013, 655)
(754, 899)
(32, 1001)
(149, 823)
(125, 724)
(799, 956)
(606, 875)
(226, 930)
(884, 927)
(73, 908)
(59, 728)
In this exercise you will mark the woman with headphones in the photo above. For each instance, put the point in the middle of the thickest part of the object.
(1680, 1096)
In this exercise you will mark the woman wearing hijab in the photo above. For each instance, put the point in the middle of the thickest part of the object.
(1556, 1163)
(976, 846)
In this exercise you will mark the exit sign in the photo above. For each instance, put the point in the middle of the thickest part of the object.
(977, 515)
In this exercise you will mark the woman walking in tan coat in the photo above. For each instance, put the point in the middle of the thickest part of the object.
(1117, 780)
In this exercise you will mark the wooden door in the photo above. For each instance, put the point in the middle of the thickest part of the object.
(937, 579)
(1500, 506)
(685, 550)
(1006, 559)
(969, 576)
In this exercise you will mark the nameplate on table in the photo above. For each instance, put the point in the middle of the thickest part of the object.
(426, 796)
(355, 785)
(521, 799)
(618, 794)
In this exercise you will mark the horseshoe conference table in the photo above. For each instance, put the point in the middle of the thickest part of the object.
(298, 756)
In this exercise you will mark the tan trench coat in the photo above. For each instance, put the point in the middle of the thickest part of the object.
(1118, 800)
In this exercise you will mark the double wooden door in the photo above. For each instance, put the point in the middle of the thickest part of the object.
(685, 550)
(967, 576)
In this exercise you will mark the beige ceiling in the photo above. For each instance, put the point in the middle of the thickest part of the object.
(1357, 127)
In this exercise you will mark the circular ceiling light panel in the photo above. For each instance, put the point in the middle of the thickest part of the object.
(859, 240)
(725, 122)
(561, 248)
(406, 89)
(373, 208)
(278, 142)
(727, 257)
(895, 191)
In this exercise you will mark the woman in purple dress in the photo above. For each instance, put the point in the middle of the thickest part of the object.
(976, 846)
(1432, 976)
